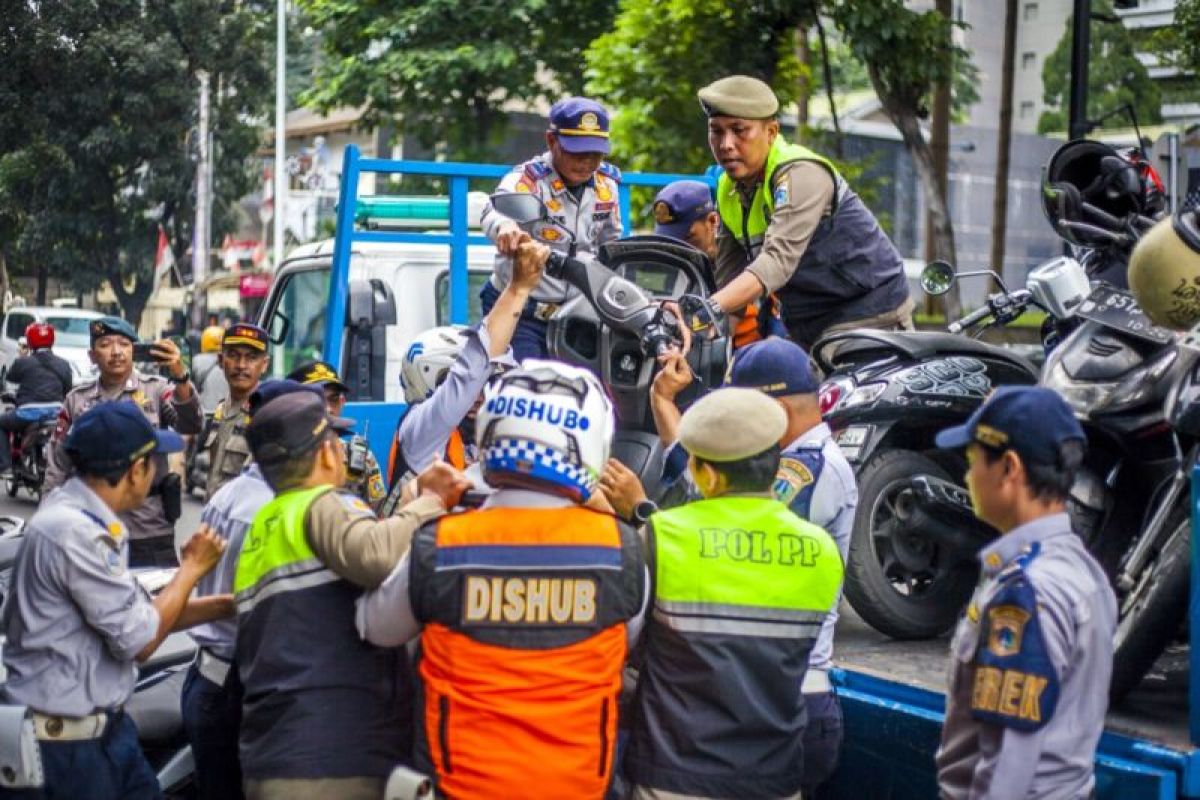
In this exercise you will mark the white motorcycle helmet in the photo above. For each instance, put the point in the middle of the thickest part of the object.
(546, 426)
(428, 360)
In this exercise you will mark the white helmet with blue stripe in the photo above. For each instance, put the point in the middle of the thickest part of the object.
(428, 360)
(546, 426)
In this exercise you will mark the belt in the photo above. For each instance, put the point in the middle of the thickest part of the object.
(534, 309)
(212, 667)
(816, 681)
(48, 728)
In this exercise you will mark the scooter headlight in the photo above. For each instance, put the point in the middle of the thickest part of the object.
(1083, 398)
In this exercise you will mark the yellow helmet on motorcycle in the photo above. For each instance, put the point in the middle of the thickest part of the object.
(210, 340)
(1164, 271)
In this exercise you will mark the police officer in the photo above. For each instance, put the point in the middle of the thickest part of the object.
(741, 588)
(579, 189)
(363, 475)
(212, 694)
(324, 714)
(167, 402)
(526, 607)
(791, 225)
(1031, 659)
(77, 623)
(243, 360)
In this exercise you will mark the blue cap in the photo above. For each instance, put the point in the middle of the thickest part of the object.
(114, 435)
(774, 366)
(269, 390)
(679, 205)
(1032, 420)
(106, 326)
(581, 125)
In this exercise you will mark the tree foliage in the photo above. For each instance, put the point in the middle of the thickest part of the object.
(97, 105)
(1115, 77)
(443, 70)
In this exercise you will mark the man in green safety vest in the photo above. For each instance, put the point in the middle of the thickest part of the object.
(791, 225)
(742, 586)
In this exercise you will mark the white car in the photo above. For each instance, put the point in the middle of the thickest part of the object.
(71, 337)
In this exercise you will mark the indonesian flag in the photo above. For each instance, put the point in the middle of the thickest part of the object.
(164, 259)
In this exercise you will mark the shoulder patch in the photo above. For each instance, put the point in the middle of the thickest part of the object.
(525, 184)
(110, 556)
(535, 170)
(354, 504)
(796, 479)
(781, 195)
(1015, 682)
(609, 171)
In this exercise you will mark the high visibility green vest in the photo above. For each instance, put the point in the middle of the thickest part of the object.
(749, 224)
(276, 553)
(744, 557)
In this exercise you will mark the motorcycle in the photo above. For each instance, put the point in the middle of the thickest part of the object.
(29, 447)
(196, 459)
(617, 326)
(910, 568)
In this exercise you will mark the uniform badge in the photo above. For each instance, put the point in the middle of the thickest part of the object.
(589, 122)
(549, 234)
(781, 195)
(375, 488)
(603, 192)
(557, 185)
(791, 478)
(553, 205)
(662, 213)
(111, 557)
(1006, 625)
(139, 397)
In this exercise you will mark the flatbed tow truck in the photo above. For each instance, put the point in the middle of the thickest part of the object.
(892, 692)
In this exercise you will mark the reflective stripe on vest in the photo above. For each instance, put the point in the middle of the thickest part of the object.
(276, 556)
(749, 225)
(744, 566)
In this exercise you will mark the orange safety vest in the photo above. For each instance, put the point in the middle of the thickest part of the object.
(455, 455)
(524, 614)
(749, 328)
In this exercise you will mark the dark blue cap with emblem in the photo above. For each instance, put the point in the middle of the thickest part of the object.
(114, 435)
(269, 390)
(581, 125)
(679, 205)
(108, 326)
(774, 366)
(1032, 420)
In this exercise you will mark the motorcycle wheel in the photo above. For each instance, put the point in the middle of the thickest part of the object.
(11, 485)
(894, 578)
(1152, 612)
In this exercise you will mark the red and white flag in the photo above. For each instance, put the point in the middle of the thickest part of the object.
(164, 259)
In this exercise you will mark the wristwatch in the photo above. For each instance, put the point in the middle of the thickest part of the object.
(642, 511)
(184, 378)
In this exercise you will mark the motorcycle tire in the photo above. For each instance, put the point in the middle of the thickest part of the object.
(1149, 621)
(876, 562)
(12, 485)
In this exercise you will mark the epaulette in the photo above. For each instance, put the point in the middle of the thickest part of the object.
(536, 169)
(1016, 568)
(609, 171)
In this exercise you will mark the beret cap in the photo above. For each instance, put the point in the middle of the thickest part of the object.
(738, 96)
(731, 424)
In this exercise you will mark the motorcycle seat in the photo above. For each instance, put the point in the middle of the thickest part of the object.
(38, 412)
(839, 349)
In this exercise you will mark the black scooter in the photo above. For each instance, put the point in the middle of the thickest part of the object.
(617, 326)
(910, 567)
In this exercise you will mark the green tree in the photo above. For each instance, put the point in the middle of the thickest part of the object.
(98, 103)
(443, 70)
(1115, 77)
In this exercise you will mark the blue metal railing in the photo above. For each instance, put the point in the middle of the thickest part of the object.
(458, 177)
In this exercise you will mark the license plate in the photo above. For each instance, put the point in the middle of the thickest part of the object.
(1118, 310)
(854, 436)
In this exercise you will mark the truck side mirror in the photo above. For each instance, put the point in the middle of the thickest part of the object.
(520, 207)
(279, 326)
(937, 278)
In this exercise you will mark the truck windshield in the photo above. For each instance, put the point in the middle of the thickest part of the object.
(71, 331)
(302, 300)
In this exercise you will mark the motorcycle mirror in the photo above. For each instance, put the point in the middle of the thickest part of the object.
(520, 207)
(937, 278)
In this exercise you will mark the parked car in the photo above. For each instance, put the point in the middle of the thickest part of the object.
(71, 339)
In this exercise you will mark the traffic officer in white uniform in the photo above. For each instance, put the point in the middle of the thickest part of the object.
(579, 189)
(76, 622)
(1031, 659)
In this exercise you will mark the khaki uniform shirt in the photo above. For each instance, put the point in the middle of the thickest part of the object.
(156, 397)
(228, 450)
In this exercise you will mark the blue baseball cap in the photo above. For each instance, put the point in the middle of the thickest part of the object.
(774, 366)
(678, 205)
(269, 390)
(114, 435)
(1032, 420)
(581, 125)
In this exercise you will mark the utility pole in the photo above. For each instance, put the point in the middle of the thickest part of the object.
(203, 206)
(1080, 43)
(280, 170)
